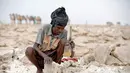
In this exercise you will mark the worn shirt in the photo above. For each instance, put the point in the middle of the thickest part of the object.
(47, 30)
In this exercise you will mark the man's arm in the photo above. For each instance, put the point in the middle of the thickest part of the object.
(36, 47)
(43, 55)
(39, 42)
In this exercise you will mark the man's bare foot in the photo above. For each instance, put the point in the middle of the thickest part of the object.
(39, 71)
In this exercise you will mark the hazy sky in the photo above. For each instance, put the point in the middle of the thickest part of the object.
(79, 11)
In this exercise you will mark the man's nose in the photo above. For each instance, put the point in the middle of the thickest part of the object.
(60, 30)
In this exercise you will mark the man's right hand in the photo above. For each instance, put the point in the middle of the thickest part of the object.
(47, 60)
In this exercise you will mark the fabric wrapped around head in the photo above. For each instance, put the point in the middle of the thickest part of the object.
(59, 17)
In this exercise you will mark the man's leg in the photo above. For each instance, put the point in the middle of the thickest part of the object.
(60, 51)
(30, 53)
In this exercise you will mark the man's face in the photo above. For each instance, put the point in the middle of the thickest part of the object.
(58, 29)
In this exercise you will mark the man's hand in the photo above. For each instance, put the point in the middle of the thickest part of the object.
(72, 53)
(72, 44)
(47, 60)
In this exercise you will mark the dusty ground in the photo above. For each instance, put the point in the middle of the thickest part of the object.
(100, 49)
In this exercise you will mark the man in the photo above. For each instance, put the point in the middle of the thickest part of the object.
(50, 42)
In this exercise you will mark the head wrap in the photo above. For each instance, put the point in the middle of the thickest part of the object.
(59, 17)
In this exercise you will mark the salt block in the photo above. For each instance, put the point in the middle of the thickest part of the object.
(126, 34)
(5, 54)
(111, 60)
(88, 58)
(6, 51)
(123, 53)
(48, 68)
(101, 53)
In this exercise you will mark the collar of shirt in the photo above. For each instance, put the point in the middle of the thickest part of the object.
(50, 33)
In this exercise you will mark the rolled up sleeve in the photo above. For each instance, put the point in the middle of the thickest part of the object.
(64, 38)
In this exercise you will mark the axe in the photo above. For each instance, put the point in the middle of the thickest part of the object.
(71, 42)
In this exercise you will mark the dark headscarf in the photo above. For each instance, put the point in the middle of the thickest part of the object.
(59, 17)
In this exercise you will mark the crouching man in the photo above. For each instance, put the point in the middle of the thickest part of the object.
(50, 41)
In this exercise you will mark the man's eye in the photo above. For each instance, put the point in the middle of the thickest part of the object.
(59, 28)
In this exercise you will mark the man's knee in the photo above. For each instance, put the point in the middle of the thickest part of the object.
(29, 51)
